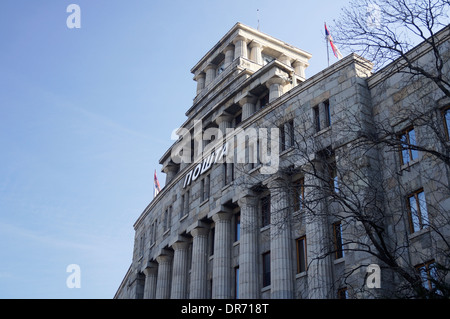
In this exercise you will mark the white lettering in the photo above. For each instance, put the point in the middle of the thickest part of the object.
(74, 20)
(74, 279)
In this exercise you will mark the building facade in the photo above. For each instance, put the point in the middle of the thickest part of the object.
(276, 181)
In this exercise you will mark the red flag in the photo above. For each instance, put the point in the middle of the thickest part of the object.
(336, 51)
(157, 187)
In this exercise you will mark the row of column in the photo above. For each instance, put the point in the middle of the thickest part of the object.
(239, 48)
(168, 277)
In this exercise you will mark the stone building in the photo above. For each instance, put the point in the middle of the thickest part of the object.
(275, 178)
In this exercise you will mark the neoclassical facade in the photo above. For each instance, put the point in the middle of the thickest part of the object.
(234, 217)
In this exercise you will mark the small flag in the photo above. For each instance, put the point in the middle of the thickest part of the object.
(157, 187)
(336, 51)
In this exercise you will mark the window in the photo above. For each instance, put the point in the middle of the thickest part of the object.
(428, 275)
(333, 175)
(342, 293)
(220, 68)
(238, 119)
(205, 188)
(338, 244)
(167, 218)
(236, 282)
(417, 209)
(266, 269)
(153, 230)
(290, 133)
(408, 139)
(264, 100)
(298, 194)
(327, 113)
(265, 211)
(446, 118)
(316, 118)
(282, 138)
(237, 227)
(301, 254)
(182, 203)
(212, 238)
(186, 204)
(286, 135)
(267, 59)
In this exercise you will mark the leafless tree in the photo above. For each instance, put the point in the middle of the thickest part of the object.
(346, 185)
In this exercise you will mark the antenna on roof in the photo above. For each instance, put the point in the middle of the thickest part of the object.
(257, 15)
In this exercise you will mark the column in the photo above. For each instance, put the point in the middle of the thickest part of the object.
(275, 86)
(200, 78)
(198, 287)
(256, 52)
(249, 286)
(171, 171)
(248, 106)
(151, 273)
(180, 270)
(285, 59)
(210, 73)
(164, 276)
(229, 55)
(222, 256)
(299, 68)
(317, 239)
(240, 47)
(281, 263)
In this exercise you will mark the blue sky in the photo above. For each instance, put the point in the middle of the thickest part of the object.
(85, 115)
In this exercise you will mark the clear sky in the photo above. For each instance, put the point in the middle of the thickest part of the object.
(86, 114)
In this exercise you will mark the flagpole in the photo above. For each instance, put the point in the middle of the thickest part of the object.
(328, 49)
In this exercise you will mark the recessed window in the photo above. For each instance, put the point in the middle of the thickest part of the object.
(408, 140)
(266, 269)
(298, 194)
(220, 67)
(338, 243)
(446, 118)
(417, 210)
(237, 227)
(327, 113)
(316, 115)
(301, 254)
(428, 275)
(342, 293)
(265, 211)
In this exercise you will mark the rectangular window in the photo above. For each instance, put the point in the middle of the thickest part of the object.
(342, 293)
(265, 211)
(236, 282)
(182, 212)
(237, 227)
(301, 254)
(417, 210)
(408, 139)
(446, 118)
(266, 269)
(290, 133)
(212, 235)
(299, 194)
(282, 138)
(428, 275)
(327, 113)
(316, 118)
(338, 244)
(333, 175)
